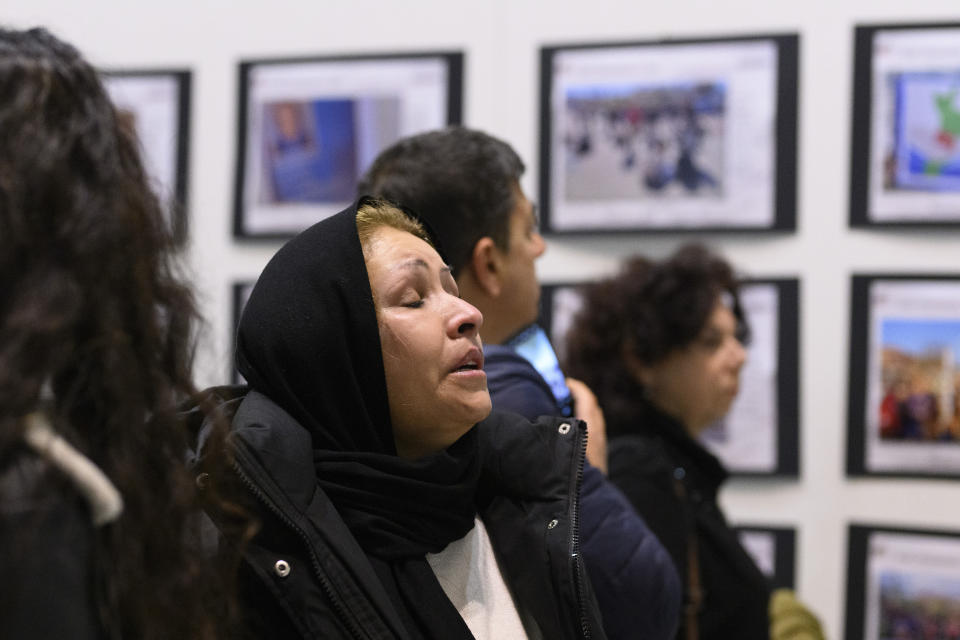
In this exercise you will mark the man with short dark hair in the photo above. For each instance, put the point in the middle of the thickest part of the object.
(465, 185)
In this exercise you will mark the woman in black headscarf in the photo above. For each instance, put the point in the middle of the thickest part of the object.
(385, 513)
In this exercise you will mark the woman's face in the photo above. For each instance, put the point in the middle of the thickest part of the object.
(432, 356)
(697, 383)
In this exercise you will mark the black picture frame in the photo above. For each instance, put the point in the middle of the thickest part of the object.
(777, 556)
(880, 558)
(784, 459)
(779, 171)
(240, 293)
(894, 439)
(162, 97)
(888, 186)
(342, 99)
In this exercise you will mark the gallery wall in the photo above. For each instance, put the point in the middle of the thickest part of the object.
(501, 40)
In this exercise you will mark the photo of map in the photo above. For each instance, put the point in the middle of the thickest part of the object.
(926, 152)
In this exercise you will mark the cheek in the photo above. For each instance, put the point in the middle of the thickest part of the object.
(409, 355)
(392, 346)
(702, 379)
(397, 363)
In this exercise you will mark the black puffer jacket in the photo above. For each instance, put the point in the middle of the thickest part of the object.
(673, 481)
(305, 576)
(633, 576)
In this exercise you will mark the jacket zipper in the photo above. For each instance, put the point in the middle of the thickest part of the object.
(575, 536)
(325, 585)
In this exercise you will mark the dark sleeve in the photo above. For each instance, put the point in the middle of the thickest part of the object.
(516, 386)
(633, 576)
(47, 562)
(646, 481)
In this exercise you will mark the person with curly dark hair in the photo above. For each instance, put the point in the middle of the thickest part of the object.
(98, 512)
(662, 346)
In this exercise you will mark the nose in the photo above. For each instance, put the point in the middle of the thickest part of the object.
(739, 355)
(465, 320)
(539, 244)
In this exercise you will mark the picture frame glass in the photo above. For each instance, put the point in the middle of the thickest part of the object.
(912, 586)
(762, 548)
(313, 127)
(912, 400)
(914, 171)
(151, 105)
(662, 135)
(773, 550)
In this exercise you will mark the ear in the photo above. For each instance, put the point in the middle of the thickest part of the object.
(486, 263)
(641, 372)
(644, 374)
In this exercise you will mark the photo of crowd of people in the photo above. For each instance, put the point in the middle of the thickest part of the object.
(634, 141)
(313, 150)
(921, 380)
(903, 584)
(915, 606)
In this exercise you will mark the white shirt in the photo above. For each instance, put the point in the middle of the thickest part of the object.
(468, 573)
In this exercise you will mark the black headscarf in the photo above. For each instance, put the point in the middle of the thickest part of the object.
(308, 339)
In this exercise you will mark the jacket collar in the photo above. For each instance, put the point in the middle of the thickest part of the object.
(648, 420)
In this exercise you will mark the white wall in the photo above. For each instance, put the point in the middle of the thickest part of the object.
(501, 40)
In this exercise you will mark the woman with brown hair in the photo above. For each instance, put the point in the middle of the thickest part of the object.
(662, 346)
(97, 509)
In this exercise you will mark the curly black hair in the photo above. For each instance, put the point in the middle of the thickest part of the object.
(93, 314)
(648, 310)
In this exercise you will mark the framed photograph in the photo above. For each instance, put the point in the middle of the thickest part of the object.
(905, 152)
(904, 398)
(670, 135)
(241, 293)
(310, 127)
(156, 106)
(902, 583)
(774, 551)
(760, 434)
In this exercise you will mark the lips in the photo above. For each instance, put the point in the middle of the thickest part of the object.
(471, 361)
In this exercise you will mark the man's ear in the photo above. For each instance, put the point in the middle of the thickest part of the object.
(486, 262)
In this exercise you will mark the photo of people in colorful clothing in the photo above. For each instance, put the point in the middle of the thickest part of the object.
(921, 380)
(919, 606)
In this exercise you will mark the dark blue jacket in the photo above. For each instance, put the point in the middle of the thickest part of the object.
(633, 577)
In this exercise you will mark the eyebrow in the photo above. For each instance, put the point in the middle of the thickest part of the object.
(418, 263)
